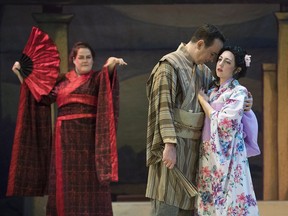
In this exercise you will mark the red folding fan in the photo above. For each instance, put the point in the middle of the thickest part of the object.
(40, 63)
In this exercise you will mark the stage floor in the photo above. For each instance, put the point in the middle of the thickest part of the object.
(267, 208)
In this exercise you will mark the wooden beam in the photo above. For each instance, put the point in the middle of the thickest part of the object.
(133, 2)
(282, 79)
(270, 147)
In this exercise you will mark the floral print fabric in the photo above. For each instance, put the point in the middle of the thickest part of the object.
(224, 181)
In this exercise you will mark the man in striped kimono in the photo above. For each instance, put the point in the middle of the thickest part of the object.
(175, 120)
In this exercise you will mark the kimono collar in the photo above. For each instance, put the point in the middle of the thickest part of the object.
(228, 83)
(188, 59)
(72, 75)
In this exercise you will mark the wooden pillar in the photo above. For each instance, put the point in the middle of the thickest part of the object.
(282, 84)
(270, 153)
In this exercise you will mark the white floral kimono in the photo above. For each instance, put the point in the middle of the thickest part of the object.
(224, 182)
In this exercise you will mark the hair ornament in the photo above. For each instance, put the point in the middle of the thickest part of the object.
(247, 59)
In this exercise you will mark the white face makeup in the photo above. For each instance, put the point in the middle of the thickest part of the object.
(225, 66)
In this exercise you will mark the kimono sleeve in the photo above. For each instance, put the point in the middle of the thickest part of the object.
(161, 93)
(106, 157)
(250, 128)
(163, 100)
(226, 124)
(31, 152)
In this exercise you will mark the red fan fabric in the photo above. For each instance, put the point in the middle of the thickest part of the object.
(46, 62)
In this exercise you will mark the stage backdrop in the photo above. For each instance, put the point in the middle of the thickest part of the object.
(141, 34)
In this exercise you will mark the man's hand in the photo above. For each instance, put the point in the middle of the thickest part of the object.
(248, 103)
(169, 155)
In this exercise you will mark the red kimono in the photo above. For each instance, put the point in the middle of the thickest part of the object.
(83, 158)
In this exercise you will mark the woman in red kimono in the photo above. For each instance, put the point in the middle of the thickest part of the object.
(77, 169)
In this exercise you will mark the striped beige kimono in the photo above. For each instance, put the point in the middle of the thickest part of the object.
(172, 86)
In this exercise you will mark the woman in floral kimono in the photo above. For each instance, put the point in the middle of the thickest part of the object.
(84, 153)
(224, 181)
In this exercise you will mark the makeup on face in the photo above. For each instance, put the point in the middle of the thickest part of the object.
(225, 66)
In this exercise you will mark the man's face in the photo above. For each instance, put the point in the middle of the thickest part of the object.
(207, 54)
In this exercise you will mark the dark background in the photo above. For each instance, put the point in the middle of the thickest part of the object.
(141, 33)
